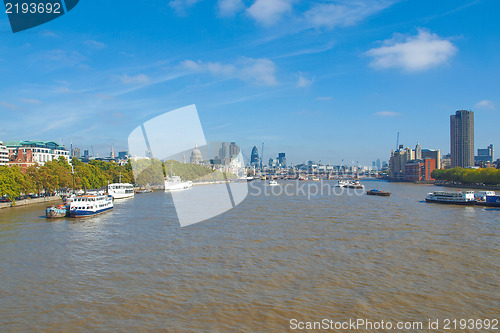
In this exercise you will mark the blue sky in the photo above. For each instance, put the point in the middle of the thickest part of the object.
(320, 80)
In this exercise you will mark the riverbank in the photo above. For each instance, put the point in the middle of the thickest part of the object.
(26, 202)
(472, 186)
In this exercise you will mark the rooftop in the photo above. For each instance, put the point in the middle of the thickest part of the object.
(38, 144)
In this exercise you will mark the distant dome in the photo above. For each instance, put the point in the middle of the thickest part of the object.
(196, 155)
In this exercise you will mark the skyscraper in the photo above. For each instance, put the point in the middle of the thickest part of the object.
(254, 157)
(418, 152)
(462, 139)
(75, 153)
(282, 160)
(234, 150)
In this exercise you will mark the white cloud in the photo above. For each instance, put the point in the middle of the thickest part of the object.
(55, 59)
(95, 44)
(48, 33)
(269, 12)
(9, 106)
(485, 104)
(415, 53)
(230, 7)
(343, 14)
(303, 81)
(138, 79)
(387, 114)
(260, 71)
(180, 6)
(30, 101)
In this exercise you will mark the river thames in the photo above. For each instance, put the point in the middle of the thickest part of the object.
(272, 259)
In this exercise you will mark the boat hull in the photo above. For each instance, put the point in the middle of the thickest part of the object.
(461, 203)
(87, 213)
(53, 213)
(177, 187)
(488, 204)
(122, 196)
(380, 194)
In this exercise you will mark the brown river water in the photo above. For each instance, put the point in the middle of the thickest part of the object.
(272, 259)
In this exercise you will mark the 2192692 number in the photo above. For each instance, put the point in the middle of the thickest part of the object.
(33, 8)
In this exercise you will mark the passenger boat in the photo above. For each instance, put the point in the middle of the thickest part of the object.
(454, 198)
(490, 200)
(378, 192)
(175, 183)
(355, 184)
(53, 212)
(481, 195)
(121, 190)
(273, 183)
(91, 204)
(342, 183)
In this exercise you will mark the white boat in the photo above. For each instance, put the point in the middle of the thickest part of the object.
(121, 190)
(273, 183)
(90, 204)
(481, 195)
(175, 183)
(455, 198)
(342, 183)
(355, 184)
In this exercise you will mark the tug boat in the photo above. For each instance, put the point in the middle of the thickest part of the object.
(53, 212)
(378, 192)
(454, 198)
(90, 205)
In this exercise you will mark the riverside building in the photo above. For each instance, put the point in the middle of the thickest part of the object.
(4, 154)
(26, 153)
(462, 139)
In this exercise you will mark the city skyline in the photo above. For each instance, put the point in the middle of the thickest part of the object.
(318, 80)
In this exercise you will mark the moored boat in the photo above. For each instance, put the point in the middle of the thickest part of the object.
(175, 183)
(490, 200)
(56, 211)
(121, 190)
(273, 183)
(378, 192)
(454, 198)
(146, 190)
(89, 205)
